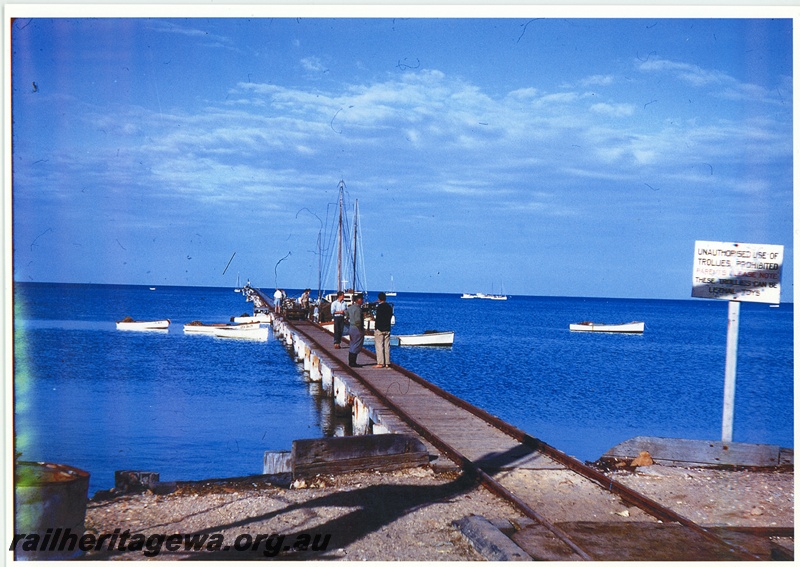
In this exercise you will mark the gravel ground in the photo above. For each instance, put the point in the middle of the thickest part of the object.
(402, 515)
(712, 497)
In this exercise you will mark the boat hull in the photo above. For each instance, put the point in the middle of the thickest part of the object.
(208, 329)
(160, 325)
(427, 339)
(589, 327)
(257, 318)
(253, 334)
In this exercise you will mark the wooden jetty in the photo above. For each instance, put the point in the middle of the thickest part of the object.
(395, 400)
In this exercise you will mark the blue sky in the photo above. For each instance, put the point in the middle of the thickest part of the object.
(549, 156)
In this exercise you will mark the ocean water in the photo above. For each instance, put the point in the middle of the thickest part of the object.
(585, 392)
(195, 407)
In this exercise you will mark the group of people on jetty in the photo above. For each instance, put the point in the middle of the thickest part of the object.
(301, 307)
(355, 316)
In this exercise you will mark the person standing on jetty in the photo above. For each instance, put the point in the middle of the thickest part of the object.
(305, 301)
(277, 296)
(383, 328)
(356, 317)
(338, 310)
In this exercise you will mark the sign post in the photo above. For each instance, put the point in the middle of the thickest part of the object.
(730, 371)
(736, 272)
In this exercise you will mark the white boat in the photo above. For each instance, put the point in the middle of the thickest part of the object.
(369, 325)
(129, 324)
(255, 333)
(428, 338)
(495, 297)
(357, 273)
(198, 328)
(255, 318)
(391, 292)
(589, 326)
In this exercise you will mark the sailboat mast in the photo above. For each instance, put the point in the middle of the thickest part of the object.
(341, 236)
(319, 265)
(355, 246)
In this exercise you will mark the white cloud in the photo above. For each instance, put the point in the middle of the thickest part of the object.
(556, 98)
(624, 109)
(722, 84)
(526, 93)
(312, 64)
(597, 80)
(463, 141)
(208, 39)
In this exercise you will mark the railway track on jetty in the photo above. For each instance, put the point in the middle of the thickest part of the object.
(575, 512)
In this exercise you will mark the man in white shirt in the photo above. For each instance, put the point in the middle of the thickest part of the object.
(338, 310)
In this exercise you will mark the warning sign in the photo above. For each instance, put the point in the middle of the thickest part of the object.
(737, 271)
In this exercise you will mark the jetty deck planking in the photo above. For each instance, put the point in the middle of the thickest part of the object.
(472, 436)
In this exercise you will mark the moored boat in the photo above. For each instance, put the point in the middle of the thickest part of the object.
(254, 333)
(128, 324)
(198, 328)
(428, 338)
(494, 297)
(391, 292)
(357, 274)
(591, 327)
(255, 318)
(479, 295)
(352, 251)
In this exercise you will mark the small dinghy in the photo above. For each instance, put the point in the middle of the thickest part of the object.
(428, 338)
(198, 328)
(255, 318)
(250, 331)
(590, 327)
(128, 324)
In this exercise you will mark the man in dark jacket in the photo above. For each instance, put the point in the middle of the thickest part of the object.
(383, 328)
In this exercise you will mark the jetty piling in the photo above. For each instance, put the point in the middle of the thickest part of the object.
(367, 414)
(327, 377)
(340, 398)
(361, 419)
(315, 372)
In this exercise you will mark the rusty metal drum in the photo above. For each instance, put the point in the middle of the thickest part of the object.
(50, 509)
